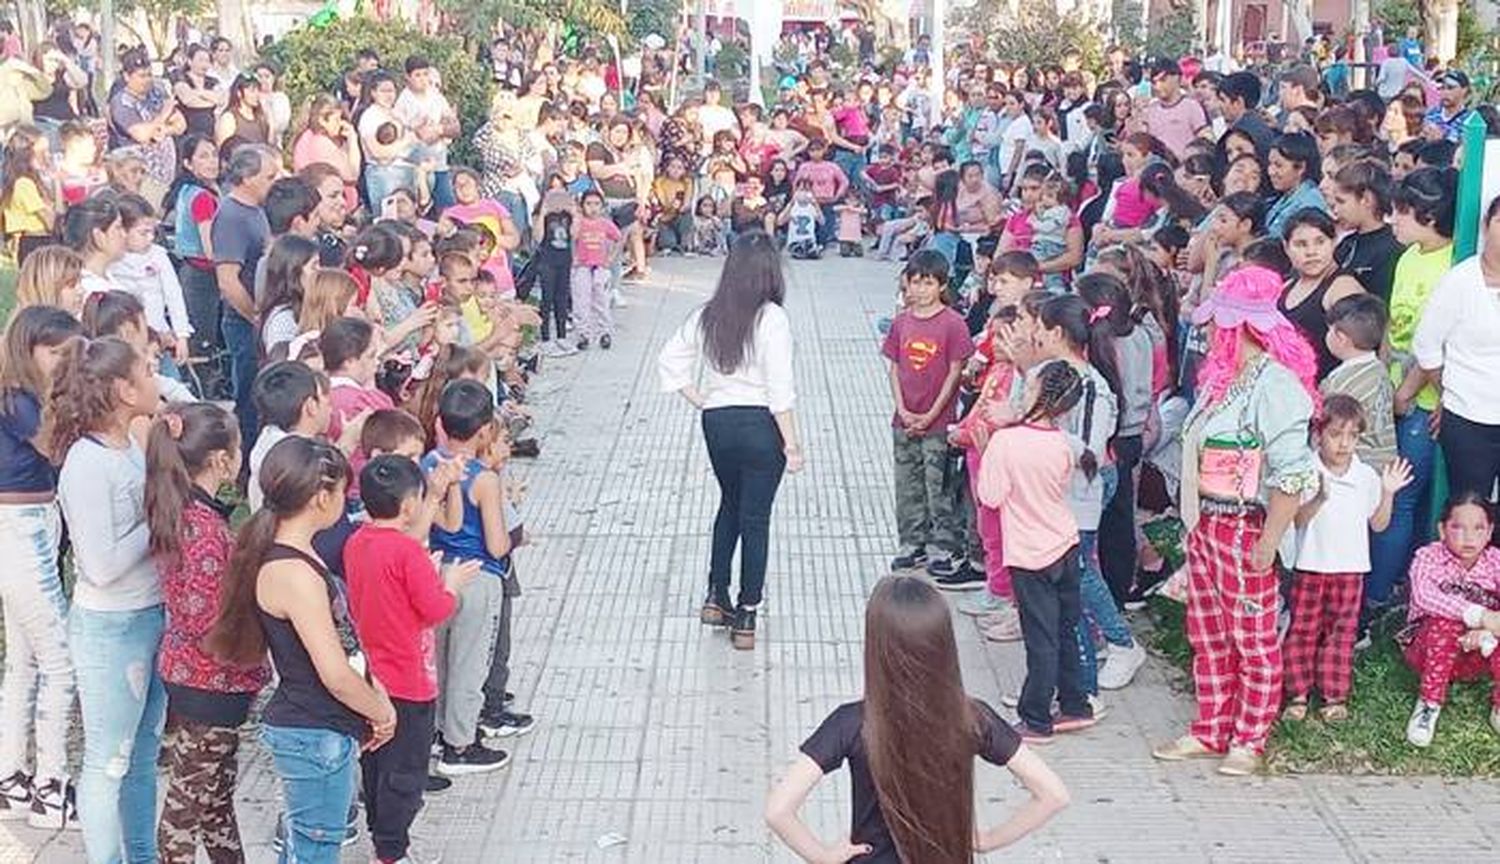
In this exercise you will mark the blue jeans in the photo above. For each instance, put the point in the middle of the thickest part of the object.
(124, 705)
(239, 338)
(1098, 604)
(442, 191)
(382, 180)
(1391, 549)
(316, 767)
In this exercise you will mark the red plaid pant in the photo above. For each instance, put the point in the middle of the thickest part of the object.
(1231, 625)
(1439, 660)
(1319, 648)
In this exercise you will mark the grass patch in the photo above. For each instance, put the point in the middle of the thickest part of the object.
(1373, 739)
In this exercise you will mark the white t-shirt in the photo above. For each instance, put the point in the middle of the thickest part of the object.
(1457, 332)
(715, 119)
(270, 436)
(802, 224)
(1337, 539)
(1017, 134)
(416, 109)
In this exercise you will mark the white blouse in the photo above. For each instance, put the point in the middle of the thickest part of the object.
(764, 378)
(1457, 333)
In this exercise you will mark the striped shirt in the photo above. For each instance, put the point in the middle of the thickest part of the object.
(1364, 378)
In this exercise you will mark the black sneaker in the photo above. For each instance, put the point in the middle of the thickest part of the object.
(965, 578)
(1147, 583)
(508, 698)
(605, 342)
(436, 785)
(508, 724)
(526, 448)
(911, 559)
(473, 759)
(942, 568)
(742, 632)
(54, 806)
(583, 344)
(718, 609)
(15, 796)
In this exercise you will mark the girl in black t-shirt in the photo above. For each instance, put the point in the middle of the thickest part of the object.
(910, 745)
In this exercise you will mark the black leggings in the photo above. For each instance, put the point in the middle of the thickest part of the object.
(1117, 553)
(1472, 451)
(555, 276)
(745, 449)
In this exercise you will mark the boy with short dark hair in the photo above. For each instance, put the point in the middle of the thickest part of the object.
(291, 398)
(1356, 329)
(396, 598)
(927, 346)
(466, 644)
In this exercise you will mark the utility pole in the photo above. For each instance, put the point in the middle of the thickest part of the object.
(107, 43)
(936, 81)
(702, 55)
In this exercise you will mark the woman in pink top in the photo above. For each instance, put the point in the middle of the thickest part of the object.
(1025, 474)
(328, 138)
(1130, 205)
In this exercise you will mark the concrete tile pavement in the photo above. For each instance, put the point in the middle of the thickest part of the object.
(653, 732)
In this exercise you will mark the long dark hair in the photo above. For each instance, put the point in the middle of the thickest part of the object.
(1151, 292)
(187, 147)
(288, 255)
(1181, 206)
(183, 438)
(32, 327)
(920, 729)
(83, 387)
(751, 279)
(1096, 338)
(293, 473)
(944, 200)
(1059, 387)
(20, 161)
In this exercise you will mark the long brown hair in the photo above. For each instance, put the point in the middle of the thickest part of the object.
(44, 273)
(294, 472)
(183, 437)
(920, 729)
(452, 361)
(31, 328)
(83, 388)
(751, 278)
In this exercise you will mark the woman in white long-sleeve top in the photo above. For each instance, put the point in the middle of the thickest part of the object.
(732, 358)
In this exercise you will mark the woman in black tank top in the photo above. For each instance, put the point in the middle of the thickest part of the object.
(1316, 283)
(283, 599)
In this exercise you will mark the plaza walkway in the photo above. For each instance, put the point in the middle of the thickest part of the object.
(656, 741)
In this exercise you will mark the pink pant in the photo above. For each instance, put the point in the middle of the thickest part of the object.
(988, 521)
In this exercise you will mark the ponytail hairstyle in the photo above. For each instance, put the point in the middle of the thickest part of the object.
(106, 313)
(83, 387)
(453, 361)
(1086, 329)
(90, 216)
(1151, 292)
(1158, 182)
(1108, 300)
(1058, 389)
(292, 475)
(377, 249)
(183, 438)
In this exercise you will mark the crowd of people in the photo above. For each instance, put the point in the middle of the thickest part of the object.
(1153, 307)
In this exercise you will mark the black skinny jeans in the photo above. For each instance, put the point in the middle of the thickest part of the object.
(745, 449)
(1472, 451)
(1049, 603)
(395, 776)
(554, 274)
(1117, 552)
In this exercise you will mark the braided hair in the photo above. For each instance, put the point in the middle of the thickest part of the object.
(1058, 389)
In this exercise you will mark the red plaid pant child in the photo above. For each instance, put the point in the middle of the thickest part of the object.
(1319, 648)
(1231, 625)
(1439, 660)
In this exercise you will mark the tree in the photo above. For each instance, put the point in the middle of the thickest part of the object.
(160, 15)
(477, 19)
(888, 17)
(1035, 34)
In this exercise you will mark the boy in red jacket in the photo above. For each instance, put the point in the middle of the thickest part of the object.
(396, 598)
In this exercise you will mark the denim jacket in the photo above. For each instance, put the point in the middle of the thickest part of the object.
(1267, 410)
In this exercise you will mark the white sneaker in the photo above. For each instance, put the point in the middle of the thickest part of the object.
(564, 348)
(1121, 664)
(54, 807)
(1097, 704)
(983, 603)
(1423, 723)
(15, 796)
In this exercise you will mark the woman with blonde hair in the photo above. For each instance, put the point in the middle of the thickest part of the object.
(50, 277)
(332, 296)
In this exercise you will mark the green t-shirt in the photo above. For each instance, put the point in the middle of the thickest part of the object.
(1417, 273)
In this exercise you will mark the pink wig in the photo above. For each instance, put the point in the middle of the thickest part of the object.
(1253, 290)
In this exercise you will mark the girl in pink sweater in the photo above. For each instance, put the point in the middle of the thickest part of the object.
(1025, 474)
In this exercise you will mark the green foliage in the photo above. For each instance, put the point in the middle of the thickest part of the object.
(160, 15)
(476, 19)
(888, 57)
(1173, 34)
(1040, 37)
(1397, 15)
(654, 16)
(1373, 739)
(314, 58)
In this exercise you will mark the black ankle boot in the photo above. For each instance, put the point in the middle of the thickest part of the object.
(742, 632)
(717, 609)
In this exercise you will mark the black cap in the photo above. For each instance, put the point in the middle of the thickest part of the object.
(1454, 78)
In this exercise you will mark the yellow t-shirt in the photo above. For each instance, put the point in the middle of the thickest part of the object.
(23, 214)
(477, 322)
(1416, 274)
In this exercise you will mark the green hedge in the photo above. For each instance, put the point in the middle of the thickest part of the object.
(312, 60)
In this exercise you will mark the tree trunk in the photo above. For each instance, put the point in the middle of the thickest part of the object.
(1300, 19)
(31, 18)
(235, 26)
(1441, 18)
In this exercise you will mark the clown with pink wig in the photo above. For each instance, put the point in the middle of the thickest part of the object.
(1246, 463)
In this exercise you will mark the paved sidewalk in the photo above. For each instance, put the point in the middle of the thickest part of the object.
(654, 734)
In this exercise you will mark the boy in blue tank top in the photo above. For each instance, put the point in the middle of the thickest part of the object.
(466, 644)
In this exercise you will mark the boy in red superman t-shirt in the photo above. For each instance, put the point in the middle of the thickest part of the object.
(926, 346)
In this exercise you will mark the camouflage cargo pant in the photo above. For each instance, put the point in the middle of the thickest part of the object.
(202, 765)
(926, 511)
